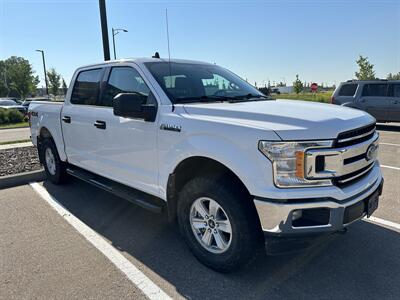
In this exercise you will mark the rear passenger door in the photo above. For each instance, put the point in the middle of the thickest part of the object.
(78, 117)
(394, 111)
(374, 100)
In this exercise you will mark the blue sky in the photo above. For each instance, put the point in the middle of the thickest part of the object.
(259, 40)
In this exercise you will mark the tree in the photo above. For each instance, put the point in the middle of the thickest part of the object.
(393, 76)
(18, 77)
(298, 85)
(54, 81)
(366, 69)
(3, 79)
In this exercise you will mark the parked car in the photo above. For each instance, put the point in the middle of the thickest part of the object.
(29, 100)
(237, 169)
(12, 104)
(380, 98)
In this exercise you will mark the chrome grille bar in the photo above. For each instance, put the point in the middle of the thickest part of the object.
(357, 175)
(356, 137)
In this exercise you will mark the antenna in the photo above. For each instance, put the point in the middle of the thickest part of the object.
(169, 54)
(166, 20)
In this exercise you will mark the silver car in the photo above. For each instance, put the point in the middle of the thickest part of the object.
(11, 104)
(380, 98)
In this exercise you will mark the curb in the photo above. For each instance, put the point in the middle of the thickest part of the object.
(21, 178)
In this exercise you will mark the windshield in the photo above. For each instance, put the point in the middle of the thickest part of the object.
(7, 102)
(185, 82)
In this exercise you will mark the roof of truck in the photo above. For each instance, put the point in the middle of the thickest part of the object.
(144, 60)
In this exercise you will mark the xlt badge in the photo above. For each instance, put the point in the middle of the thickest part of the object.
(170, 127)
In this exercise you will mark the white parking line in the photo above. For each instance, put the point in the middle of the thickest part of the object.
(382, 222)
(390, 167)
(148, 287)
(390, 144)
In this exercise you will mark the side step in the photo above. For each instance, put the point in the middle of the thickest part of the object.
(137, 197)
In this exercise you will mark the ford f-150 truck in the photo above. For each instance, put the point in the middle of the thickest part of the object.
(237, 170)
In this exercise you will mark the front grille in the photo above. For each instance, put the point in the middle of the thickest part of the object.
(347, 161)
(355, 136)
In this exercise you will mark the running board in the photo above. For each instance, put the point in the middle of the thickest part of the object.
(137, 197)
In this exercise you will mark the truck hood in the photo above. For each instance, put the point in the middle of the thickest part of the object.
(290, 119)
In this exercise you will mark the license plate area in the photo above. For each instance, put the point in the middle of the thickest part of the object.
(372, 203)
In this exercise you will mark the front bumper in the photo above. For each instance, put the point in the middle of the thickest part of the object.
(330, 215)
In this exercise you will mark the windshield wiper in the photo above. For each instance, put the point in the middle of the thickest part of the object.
(243, 98)
(230, 99)
(204, 99)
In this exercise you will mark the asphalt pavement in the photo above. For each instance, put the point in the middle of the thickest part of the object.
(43, 256)
(16, 134)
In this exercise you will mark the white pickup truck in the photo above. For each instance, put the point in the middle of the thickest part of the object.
(236, 169)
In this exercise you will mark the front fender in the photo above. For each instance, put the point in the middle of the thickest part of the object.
(243, 159)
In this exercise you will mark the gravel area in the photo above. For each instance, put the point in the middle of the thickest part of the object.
(18, 160)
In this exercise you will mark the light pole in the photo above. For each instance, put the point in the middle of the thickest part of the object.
(44, 69)
(115, 31)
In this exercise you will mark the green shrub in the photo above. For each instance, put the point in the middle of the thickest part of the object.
(10, 116)
(14, 116)
(3, 116)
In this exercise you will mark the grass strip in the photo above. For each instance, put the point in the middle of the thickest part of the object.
(14, 142)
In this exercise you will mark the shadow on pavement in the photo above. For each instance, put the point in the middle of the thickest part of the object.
(364, 263)
(385, 127)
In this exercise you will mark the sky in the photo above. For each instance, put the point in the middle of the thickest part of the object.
(258, 40)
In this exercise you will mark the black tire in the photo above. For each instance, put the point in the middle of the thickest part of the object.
(60, 174)
(247, 239)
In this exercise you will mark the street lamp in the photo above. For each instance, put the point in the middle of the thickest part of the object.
(44, 68)
(115, 31)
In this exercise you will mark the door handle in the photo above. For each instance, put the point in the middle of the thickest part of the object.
(100, 124)
(362, 100)
(395, 102)
(66, 119)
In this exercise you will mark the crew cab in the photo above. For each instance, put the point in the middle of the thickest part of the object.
(237, 170)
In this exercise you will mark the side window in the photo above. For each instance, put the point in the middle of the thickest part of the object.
(348, 90)
(123, 80)
(87, 87)
(375, 90)
(395, 90)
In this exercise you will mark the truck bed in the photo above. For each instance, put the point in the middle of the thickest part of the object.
(46, 115)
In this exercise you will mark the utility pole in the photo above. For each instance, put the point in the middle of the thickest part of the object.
(115, 31)
(45, 72)
(104, 29)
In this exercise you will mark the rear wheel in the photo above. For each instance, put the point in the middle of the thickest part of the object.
(55, 168)
(218, 223)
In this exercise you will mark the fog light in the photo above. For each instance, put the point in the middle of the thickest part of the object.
(297, 214)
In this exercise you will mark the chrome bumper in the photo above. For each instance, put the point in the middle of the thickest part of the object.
(276, 218)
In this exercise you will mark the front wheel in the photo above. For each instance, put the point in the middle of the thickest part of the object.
(219, 223)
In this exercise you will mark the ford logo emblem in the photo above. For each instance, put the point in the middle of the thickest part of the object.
(371, 153)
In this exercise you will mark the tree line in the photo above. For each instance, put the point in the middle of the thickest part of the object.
(18, 79)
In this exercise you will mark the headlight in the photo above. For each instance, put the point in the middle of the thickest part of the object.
(288, 162)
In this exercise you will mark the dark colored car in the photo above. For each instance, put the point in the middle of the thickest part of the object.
(29, 100)
(12, 104)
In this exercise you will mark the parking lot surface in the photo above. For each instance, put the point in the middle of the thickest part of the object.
(17, 134)
(43, 256)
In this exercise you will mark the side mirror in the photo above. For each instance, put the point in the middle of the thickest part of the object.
(134, 105)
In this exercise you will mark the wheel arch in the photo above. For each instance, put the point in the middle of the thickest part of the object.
(45, 133)
(190, 168)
